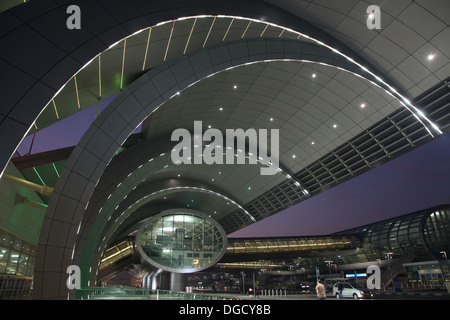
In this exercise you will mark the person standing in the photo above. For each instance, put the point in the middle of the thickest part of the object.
(320, 290)
(340, 287)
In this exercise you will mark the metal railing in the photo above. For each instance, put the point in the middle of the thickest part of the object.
(133, 293)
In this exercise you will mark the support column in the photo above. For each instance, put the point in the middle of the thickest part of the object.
(177, 281)
(155, 280)
(146, 280)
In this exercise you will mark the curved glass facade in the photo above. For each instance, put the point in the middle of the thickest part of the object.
(436, 230)
(182, 241)
(423, 234)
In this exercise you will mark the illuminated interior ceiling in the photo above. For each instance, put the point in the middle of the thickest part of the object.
(316, 107)
(411, 33)
(383, 134)
(284, 85)
(124, 62)
(117, 67)
(303, 108)
(411, 71)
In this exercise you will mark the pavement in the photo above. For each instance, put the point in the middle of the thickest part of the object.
(424, 294)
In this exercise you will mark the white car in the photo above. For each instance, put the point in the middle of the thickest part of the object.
(351, 290)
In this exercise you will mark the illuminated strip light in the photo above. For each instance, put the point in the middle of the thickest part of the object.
(190, 34)
(39, 176)
(99, 76)
(209, 32)
(170, 38)
(56, 110)
(146, 48)
(228, 29)
(76, 90)
(54, 167)
(73, 252)
(123, 62)
(120, 252)
(245, 31)
(262, 33)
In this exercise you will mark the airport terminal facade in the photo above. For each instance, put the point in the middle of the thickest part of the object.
(117, 202)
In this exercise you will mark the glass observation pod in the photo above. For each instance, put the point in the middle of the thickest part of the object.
(181, 241)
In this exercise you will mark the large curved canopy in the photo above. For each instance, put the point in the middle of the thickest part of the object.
(340, 108)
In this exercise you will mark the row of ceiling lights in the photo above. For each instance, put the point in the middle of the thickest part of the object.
(313, 75)
(271, 119)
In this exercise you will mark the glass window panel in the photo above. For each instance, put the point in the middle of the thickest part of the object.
(183, 241)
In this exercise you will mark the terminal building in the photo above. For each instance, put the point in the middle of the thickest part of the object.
(320, 87)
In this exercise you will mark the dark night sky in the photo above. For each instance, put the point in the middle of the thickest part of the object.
(417, 180)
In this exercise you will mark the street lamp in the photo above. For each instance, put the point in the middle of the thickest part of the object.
(329, 265)
(389, 257)
(445, 255)
(243, 282)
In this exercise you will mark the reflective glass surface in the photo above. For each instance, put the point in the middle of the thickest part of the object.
(182, 241)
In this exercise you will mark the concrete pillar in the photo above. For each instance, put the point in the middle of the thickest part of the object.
(146, 283)
(164, 280)
(177, 281)
(155, 279)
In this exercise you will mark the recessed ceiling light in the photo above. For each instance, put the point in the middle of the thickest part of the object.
(212, 179)
(312, 142)
(430, 57)
(178, 93)
(249, 188)
(271, 119)
(209, 127)
(293, 156)
(314, 75)
(335, 126)
(220, 109)
(179, 174)
(235, 86)
(363, 105)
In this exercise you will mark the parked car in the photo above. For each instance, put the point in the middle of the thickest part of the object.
(351, 290)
